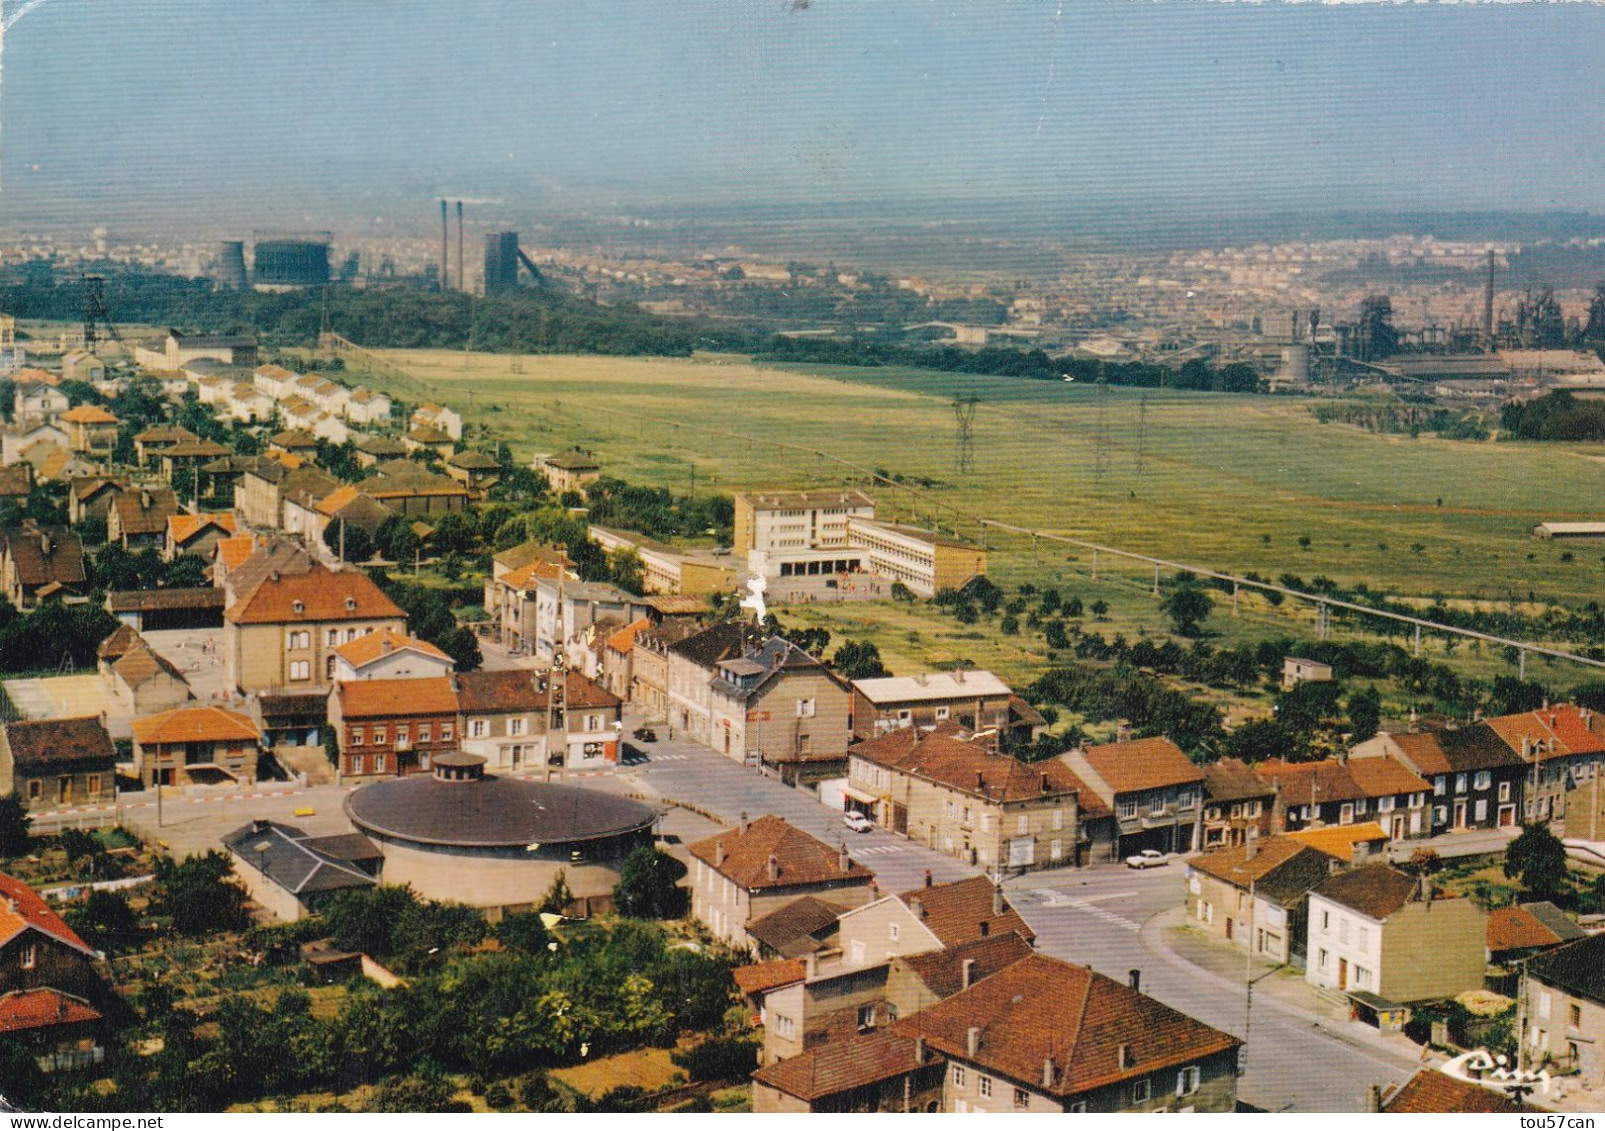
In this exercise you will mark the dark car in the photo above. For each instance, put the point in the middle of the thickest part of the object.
(645, 734)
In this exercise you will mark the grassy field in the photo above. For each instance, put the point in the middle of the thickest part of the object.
(1225, 481)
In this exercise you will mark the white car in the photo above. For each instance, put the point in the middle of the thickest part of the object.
(856, 821)
(1147, 858)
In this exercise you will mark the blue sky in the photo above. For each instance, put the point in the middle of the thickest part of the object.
(156, 107)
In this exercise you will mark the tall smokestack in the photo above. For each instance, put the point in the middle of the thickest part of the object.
(1488, 305)
(462, 281)
(445, 247)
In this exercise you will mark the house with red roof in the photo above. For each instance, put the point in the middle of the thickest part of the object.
(49, 981)
(1153, 788)
(198, 744)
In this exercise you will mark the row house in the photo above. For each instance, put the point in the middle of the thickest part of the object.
(779, 708)
(438, 416)
(365, 406)
(1344, 791)
(1239, 805)
(282, 634)
(58, 763)
(198, 535)
(1476, 778)
(1255, 895)
(191, 458)
(138, 519)
(665, 570)
(692, 662)
(1153, 789)
(393, 727)
(958, 797)
(565, 612)
(742, 874)
(1562, 746)
(649, 665)
(510, 602)
(196, 745)
(1565, 1010)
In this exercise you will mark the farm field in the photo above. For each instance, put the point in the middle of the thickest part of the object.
(1231, 482)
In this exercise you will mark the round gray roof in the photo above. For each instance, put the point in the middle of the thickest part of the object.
(492, 812)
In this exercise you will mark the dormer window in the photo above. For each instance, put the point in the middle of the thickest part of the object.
(351, 604)
(298, 607)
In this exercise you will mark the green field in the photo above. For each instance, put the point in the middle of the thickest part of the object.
(1224, 481)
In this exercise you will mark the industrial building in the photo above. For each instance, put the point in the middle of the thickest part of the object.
(283, 261)
(501, 262)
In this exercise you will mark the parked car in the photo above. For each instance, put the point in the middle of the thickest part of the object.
(856, 821)
(646, 734)
(1148, 858)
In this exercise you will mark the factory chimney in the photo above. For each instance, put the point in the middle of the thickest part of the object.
(445, 244)
(1488, 306)
(462, 281)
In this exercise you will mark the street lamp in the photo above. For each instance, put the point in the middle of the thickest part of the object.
(260, 848)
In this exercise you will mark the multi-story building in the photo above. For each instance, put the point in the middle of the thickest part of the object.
(1376, 931)
(58, 763)
(282, 633)
(569, 471)
(565, 616)
(691, 665)
(1255, 894)
(1477, 780)
(665, 569)
(649, 666)
(1565, 1010)
(975, 700)
(38, 562)
(1238, 804)
(966, 801)
(1350, 791)
(1153, 789)
(786, 534)
(91, 430)
(393, 727)
(198, 534)
(389, 655)
(926, 561)
(262, 488)
(196, 745)
(776, 706)
(1562, 746)
(743, 874)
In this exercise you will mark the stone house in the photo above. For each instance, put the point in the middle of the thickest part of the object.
(196, 745)
(975, 700)
(58, 763)
(138, 678)
(1153, 788)
(91, 430)
(1255, 894)
(393, 727)
(1239, 805)
(1565, 1010)
(1337, 792)
(776, 706)
(137, 520)
(37, 562)
(1477, 780)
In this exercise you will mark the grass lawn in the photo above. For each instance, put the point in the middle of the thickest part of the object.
(649, 1069)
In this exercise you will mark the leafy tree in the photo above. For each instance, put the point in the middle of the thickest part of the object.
(1259, 739)
(1365, 713)
(353, 542)
(1099, 608)
(903, 593)
(1188, 607)
(13, 827)
(1538, 859)
(559, 895)
(523, 931)
(648, 886)
(1009, 625)
(859, 659)
(455, 531)
(718, 1058)
(1056, 636)
(199, 895)
(409, 1094)
(625, 568)
(396, 540)
(185, 572)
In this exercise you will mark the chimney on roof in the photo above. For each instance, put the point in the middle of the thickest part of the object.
(928, 877)
(718, 854)
(1526, 747)
(1476, 714)
(1134, 979)
(980, 781)
(1373, 1095)
(1045, 787)
(1426, 888)
(61, 1009)
(772, 867)
(144, 500)
(385, 646)
(1048, 1072)
(1545, 707)
(972, 1040)
(45, 543)
(1128, 1059)
(811, 966)
(997, 898)
(967, 973)
(958, 675)
(844, 861)
(1251, 848)
(744, 822)
(919, 1049)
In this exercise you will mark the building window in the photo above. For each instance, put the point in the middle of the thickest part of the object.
(1022, 824)
(1156, 806)
(378, 763)
(1141, 1091)
(983, 1084)
(356, 735)
(332, 637)
(1079, 1107)
(298, 640)
(866, 1017)
(1484, 779)
(958, 1076)
(1481, 809)
(1056, 850)
(30, 956)
(1187, 1080)
(1128, 809)
(895, 931)
(516, 727)
(1460, 783)
(1504, 791)
(300, 669)
(1058, 819)
(805, 708)
(1439, 786)
(1574, 1015)
(35, 790)
(1184, 799)
(785, 1026)
(94, 784)
(403, 733)
(478, 728)
(424, 731)
(446, 731)
(593, 722)
(1022, 1098)
(357, 763)
(1362, 978)
(380, 735)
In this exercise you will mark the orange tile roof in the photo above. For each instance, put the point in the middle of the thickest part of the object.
(23, 909)
(961, 912)
(194, 724)
(1339, 840)
(88, 414)
(1146, 763)
(320, 594)
(1430, 1092)
(236, 551)
(1579, 731)
(761, 977)
(1516, 928)
(1041, 1009)
(21, 1010)
(842, 1065)
(1237, 866)
(526, 576)
(332, 503)
(624, 639)
(364, 650)
(395, 698)
(965, 767)
(800, 858)
(183, 527)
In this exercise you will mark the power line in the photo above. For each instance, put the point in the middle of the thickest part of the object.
(964, 416)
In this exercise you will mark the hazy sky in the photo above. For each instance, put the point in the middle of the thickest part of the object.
(144, 108)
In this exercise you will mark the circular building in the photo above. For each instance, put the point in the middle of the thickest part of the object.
(496, 843)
